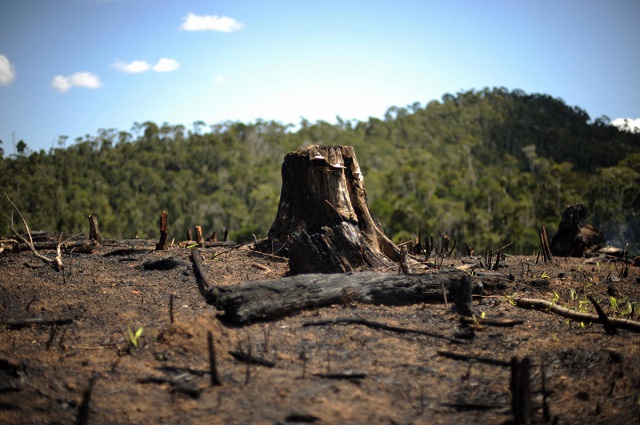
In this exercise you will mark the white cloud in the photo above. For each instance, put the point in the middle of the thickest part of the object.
(193, 22)
(132, 67)
(166, 65)
(7, 71)
(628, 124)
(79, 79)
(219, 79)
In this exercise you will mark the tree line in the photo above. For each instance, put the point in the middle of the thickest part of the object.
(479, 166)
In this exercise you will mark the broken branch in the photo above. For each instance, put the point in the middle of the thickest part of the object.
(546, 306)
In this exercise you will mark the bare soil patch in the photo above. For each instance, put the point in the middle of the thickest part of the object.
(45, 370)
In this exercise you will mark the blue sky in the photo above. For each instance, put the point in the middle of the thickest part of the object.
(67, 66)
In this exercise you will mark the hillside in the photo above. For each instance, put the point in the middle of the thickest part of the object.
(478, 166)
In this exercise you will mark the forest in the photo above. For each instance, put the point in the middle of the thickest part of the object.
(480, 166)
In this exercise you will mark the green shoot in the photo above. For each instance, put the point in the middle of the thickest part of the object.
(134, 337)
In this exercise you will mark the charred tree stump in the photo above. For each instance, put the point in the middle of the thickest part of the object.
(94, 232)
(199, 236)
(544, 245)
(574, 238)
(323, 217)
(164, 231)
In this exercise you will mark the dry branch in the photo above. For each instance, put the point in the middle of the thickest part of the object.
(56, 262)
(201, 275)
(546, 306)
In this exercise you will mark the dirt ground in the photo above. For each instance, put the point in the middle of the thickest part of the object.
(89, 371)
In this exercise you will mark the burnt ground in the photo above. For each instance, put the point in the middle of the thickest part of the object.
(397, 378)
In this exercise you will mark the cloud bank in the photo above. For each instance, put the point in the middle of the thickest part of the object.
(193, 22)
(138, 66)
(7, 71)
(628, 124)
(79, 79)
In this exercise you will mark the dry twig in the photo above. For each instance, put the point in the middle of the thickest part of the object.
(56, 262)
(547, 306)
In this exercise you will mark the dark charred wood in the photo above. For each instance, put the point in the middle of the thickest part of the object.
(609, 327)
(199, 271)
(462, 289)
(162, 245)
(18, 324)
(83, 409)
(94, 231)
(215, 380)
(521, 390)
(271, 299)
(163, 264)
(574, 238)
(349, 375)
(544, 245)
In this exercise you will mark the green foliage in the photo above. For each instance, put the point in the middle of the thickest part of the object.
(134, 337)
(478, 166)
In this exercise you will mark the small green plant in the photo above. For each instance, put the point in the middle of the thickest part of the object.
(134, 337)
(624, 307)
(545, 275)
(554, 301)
(511, 298)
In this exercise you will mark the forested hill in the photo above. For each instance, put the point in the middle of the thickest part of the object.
(477, 166)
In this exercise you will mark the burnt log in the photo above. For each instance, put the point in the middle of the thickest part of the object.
(574, 238)
(323, 218)
(265, 300)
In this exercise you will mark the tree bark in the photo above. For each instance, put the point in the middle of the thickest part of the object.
(272, 299)
(323, 217)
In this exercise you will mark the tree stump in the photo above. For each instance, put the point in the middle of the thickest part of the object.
(574, 238)
(323, 218)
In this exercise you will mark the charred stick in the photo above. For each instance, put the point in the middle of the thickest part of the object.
(164, 229)
(215, 380)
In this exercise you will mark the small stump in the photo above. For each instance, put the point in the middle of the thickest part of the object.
(323, 217)
(574, 238)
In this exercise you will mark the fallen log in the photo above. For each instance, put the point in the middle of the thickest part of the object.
(265, 300)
